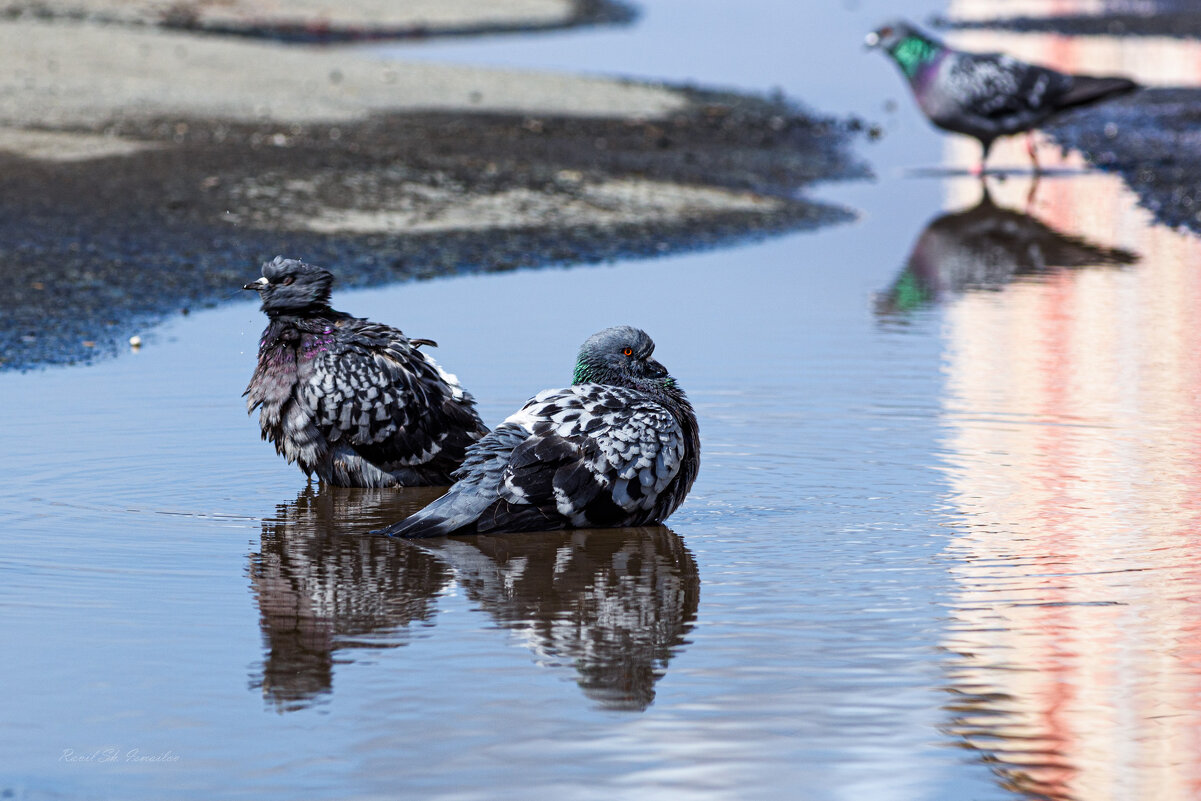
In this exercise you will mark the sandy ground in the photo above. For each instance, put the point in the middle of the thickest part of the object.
(380, 14)
(80, 75)
(145, 168)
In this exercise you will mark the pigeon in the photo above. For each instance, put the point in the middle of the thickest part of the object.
(619, 447)
(986, 95)
(353, 401)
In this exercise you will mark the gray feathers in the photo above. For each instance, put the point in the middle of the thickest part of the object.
(992, 95)
(986, 95)
(623, 453)
(353, 401)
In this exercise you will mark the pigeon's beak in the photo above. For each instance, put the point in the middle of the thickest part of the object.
(871, 41)
(654, 369)
(257, 285)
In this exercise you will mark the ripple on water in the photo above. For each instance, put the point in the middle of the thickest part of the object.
(1070, 444)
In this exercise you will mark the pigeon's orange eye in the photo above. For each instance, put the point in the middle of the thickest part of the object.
(288, 281)
(628, 351)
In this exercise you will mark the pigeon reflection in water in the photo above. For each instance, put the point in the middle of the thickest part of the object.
(614, 604)
(321, 587)
(985, 248)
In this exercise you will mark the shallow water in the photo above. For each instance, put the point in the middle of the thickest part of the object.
(940, 546)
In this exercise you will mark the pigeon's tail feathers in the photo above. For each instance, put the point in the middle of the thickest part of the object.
(477, 487)
(1087, 89)
(453, 513)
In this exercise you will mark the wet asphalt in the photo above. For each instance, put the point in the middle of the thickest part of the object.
(97, 250)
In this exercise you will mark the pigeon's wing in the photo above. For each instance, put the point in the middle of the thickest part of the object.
(588, 455)
(596, 455)
(375, 392)
(995, 86)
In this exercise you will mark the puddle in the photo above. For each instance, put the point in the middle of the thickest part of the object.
(938, 549)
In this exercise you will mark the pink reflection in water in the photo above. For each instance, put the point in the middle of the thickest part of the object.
(1073, 449)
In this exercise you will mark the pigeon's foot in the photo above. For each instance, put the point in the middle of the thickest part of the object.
(1033, 191)
(1032, 151)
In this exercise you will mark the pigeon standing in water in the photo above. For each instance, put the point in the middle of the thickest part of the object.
(617, 448)
(986, 95)
(353, 401)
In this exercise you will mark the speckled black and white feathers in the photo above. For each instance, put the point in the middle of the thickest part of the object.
(352, 401)
(619, 447)
(986, 95)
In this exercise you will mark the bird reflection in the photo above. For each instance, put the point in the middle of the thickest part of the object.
(985, 248)
(614, 604)
(1033, 765)
(322, 586)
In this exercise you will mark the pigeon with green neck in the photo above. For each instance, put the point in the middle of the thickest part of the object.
(987, 95)
(619, 447)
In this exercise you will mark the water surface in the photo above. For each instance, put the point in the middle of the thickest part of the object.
(939, 547)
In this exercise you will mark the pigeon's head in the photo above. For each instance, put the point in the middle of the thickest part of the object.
(620, 356)
(888, 37)
(289, 285)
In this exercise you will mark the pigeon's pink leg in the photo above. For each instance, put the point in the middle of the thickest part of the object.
(978, 170)
(1032, 151)
(1030, 195)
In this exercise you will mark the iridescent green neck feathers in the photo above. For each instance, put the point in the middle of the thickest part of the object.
(912, 52)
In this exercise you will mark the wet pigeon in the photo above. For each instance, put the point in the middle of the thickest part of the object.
(986, 95)
(617, 448)
(353, 401)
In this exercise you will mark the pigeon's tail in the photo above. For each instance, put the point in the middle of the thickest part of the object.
(478, 487)
(1087, 89)
(453, 513)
